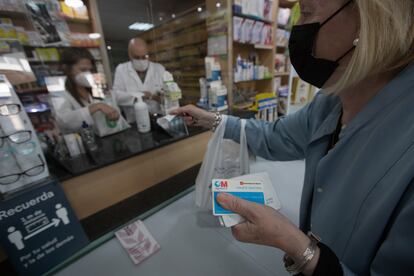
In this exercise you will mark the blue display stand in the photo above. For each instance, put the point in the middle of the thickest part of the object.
(39, 229)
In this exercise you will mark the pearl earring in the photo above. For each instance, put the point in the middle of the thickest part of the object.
(356, 41)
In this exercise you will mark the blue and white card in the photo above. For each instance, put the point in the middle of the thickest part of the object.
(247, 190)
(270, 196)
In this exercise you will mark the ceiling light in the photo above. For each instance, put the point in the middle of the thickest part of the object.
(161, 18)
(139, 26)
(173, 15)
(74, 3)
(109, 48)
(94, 36)
(218, 5)
(199, 9)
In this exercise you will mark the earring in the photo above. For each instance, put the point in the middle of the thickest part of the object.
(356, 41)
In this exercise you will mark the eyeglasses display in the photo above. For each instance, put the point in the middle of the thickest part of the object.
(19, 137)
(13, 178)
(21, 158)
(10, 109)
(19, 149)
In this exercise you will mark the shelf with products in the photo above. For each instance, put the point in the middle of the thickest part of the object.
(251, 39)
(281, 74)
(77, 20)
(244, 81)
(252, 17)
(60, 46)
(181, 46)
(13, 14)
(256, 46)
(36, 90)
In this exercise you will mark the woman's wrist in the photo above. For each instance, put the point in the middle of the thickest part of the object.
(296, 245)
(309, 269)
(93, 108)
(210, 119)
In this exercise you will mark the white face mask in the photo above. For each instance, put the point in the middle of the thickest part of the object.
(85, 79)
(140, 65)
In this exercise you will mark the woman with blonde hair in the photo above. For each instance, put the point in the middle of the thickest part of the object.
(357, 137)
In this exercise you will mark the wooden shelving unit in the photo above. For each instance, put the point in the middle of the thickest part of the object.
(181, 46)
(77, 25)
(266, 53)
(31, 93)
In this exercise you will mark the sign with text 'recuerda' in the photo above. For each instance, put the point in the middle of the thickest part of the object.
(39, 230)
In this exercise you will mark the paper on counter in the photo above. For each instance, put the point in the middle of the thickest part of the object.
(138, 242)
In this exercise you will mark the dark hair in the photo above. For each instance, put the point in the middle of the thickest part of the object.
(68, 59)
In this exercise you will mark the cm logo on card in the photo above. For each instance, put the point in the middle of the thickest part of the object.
(221, 184)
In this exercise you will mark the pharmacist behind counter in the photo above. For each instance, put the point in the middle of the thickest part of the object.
(139, 77)
(74, 106)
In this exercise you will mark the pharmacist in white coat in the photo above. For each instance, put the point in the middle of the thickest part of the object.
(76, 105)
(139, 77)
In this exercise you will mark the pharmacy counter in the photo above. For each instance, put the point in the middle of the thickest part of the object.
(129, 175)
(192, 242)
(114, 149)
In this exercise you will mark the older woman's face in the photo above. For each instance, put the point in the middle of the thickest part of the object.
(336, 37)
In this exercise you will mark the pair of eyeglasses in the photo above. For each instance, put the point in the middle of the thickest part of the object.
(21, 149)
(19, 137)
(13, 178)
(10, 109)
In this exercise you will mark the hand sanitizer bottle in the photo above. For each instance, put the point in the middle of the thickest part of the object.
(142, 116)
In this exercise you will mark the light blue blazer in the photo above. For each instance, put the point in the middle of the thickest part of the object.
(359, 197)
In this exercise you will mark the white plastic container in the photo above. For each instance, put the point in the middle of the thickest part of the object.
(142, 116)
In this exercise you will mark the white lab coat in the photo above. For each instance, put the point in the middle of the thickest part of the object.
(128, 85)
(68, 113)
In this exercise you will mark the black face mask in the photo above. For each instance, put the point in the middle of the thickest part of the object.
(313, 70)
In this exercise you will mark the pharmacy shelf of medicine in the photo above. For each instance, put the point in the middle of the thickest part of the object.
(246, 81)
(181, 29)
(37, 90)
(256, 18)
(262, 54)
(181, 46)
(281, 74)
(179, 41)
(13, 14)
(77, 20)
(181, 23)
(255, 46)
(59, 46)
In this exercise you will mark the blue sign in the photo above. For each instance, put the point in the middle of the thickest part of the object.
(39, 230)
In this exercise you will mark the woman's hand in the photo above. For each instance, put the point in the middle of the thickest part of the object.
(266, 226)
(194, 116)
(110, 112)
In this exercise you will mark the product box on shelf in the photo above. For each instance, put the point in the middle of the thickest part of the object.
(283, 17)
(280, 63)
(267, 35)
(283, 99)
(256, 33)
(268, 8)
(238, 6)
(237, 28)
(300, 91)
(247, 28)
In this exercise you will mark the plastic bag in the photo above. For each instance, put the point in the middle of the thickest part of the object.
(103, 127)
(224, 159)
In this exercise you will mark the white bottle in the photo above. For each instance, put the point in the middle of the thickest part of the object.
(142, 116)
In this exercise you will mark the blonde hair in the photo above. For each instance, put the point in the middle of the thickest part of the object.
(386, 40)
